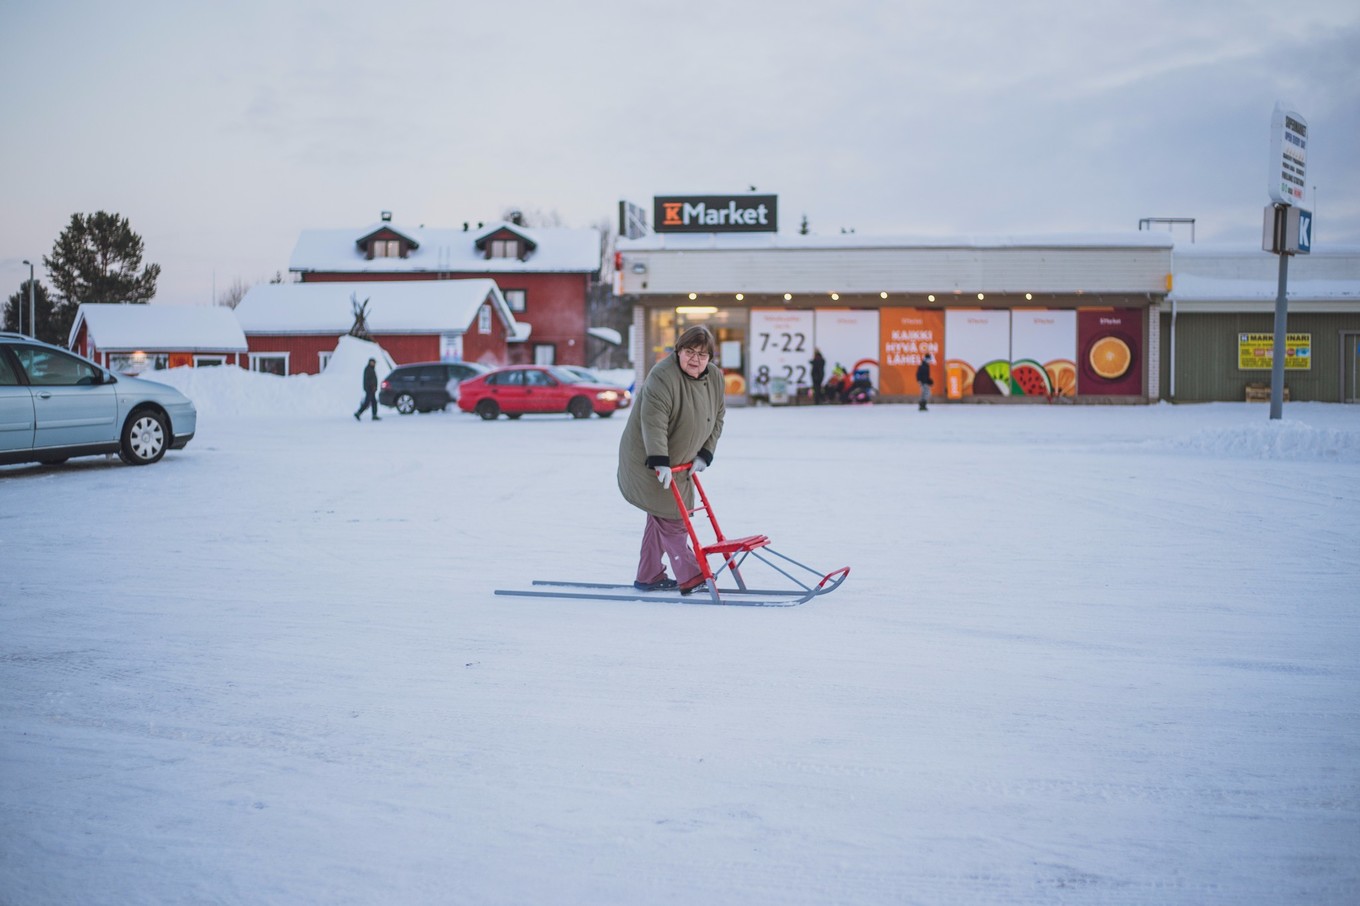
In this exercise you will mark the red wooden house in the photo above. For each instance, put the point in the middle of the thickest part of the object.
(135, 338)
(292, 328)
(544, 273)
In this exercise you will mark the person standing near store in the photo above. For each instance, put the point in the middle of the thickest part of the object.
(924, 379)
(370, 391)
(677, 418)
(818, 375)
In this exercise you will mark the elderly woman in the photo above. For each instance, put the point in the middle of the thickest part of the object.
(676, 418)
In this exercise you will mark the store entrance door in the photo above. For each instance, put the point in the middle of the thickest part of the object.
(1350, 368)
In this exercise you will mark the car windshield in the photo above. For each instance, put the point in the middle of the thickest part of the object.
(569, 377)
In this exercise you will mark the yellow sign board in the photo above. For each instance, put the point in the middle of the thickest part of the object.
(1255, 351)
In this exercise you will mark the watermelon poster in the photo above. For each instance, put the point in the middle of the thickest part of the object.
(907, 334)
(1110, 352)
(1043, 353)
(849, 338)
(977, 352)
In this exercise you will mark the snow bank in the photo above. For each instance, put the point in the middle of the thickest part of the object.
(236, 391)
(1285, 439)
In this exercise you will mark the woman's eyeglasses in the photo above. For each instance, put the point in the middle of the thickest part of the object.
(695, 353)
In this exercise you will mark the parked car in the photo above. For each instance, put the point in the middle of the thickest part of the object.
(55, 404)
(538, 388)
(425, 386)
(590, 377)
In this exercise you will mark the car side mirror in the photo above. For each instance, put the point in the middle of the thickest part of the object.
(108, 377)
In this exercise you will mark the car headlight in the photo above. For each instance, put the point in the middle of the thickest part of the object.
(607, 395)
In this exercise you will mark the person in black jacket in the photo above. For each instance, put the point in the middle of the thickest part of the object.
(370, 391)
(818, 364)
(924, 379)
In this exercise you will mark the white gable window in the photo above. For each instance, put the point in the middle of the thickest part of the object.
(504, 248)
(484, 319)
(515, 298)
(386, 248)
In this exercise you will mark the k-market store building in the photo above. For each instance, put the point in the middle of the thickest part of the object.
(1005, 319)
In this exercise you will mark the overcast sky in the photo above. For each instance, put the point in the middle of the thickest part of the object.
(222, 130)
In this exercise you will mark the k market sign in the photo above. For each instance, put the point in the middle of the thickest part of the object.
(715, 214)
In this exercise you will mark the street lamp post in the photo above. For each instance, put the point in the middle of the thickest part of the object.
(32, 309)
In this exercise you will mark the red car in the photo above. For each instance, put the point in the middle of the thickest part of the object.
(538, 388)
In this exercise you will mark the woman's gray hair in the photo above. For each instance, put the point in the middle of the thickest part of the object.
(698, 337)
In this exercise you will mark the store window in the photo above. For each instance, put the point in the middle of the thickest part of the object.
(729, 327)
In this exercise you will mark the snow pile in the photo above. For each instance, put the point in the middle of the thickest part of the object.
(1285, 439)
(235, 391)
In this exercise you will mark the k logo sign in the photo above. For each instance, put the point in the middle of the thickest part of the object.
(716, 214)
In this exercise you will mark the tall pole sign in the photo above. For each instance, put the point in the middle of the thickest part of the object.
(1288, 229)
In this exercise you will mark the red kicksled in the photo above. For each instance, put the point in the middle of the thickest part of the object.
(732, 556)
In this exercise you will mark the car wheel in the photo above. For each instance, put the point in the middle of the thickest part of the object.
(406, 404)
(144, 438)
(488, 410)
(579, 407)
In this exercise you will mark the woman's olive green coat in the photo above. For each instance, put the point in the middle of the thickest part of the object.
(674, 417)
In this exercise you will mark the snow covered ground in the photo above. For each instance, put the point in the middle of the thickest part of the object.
(1084, 655)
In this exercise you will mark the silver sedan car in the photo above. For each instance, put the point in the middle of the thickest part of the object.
(55, 405)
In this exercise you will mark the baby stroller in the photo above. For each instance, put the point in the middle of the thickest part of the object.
(861, 389)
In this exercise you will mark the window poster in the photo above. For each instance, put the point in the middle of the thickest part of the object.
(781, 347)
(1110, 352)
(907, 334)
(848, 338)
(1043, 353)
(977, 352)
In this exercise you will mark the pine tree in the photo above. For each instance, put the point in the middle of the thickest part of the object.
(97, 258)
(42, 303)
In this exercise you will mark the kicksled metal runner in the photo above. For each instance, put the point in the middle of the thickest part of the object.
(733, 555)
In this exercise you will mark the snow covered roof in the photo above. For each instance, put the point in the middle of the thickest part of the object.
(749, 241)
(555, 250)
(400, 306)
(151, 327)
(1214, 276)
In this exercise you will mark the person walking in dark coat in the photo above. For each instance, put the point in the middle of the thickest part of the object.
(818, 375)
(370, 391)
(924, 379)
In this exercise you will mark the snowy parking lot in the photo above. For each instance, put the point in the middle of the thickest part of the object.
(1084, 655)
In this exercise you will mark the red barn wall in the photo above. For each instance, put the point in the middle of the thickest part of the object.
(555, 304)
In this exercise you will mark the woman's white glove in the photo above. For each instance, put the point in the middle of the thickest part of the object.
(663, 475)
(699, 464)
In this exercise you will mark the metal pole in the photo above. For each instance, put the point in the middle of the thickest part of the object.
(19, 315)
(1277, 357)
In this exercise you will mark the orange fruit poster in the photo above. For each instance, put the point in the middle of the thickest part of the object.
(905, 335)
(1110, 352)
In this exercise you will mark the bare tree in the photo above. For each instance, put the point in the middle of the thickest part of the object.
(532, 217)
(232, 295)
